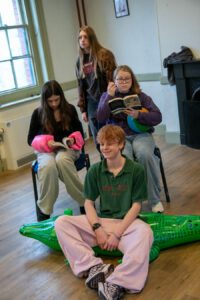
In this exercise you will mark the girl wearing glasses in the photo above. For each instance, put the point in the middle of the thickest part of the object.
(94, 69)
(139, 143)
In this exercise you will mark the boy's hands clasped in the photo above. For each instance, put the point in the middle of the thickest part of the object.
(106, 241)
(102, 237)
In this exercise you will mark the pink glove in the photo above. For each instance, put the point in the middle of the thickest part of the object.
(40, 143)
(78, 140)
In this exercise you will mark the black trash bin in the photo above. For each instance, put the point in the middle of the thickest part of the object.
(191, 112)
(187, 79)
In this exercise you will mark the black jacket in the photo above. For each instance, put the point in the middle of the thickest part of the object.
(184, 55)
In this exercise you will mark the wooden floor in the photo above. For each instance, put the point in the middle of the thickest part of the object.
(31, 271)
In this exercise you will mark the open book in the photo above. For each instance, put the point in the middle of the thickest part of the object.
(64, 143)
(118, 105)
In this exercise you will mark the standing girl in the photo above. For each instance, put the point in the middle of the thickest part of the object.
(138, 144)
(94, 69)
(54, 120)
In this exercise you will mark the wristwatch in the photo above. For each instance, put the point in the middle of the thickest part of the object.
(96, 226)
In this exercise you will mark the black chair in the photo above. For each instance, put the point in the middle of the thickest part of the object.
(82, 162)
(158, 154)
(196, 95)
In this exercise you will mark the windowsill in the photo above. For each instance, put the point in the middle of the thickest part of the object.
(19, 102)
(66, 86)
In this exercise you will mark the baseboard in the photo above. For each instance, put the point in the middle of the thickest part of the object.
(3, 165)
(160, 129)
(19, 163)
(172, 137)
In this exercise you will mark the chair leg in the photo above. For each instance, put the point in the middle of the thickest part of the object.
(34, 185)
(35, 192)
(87, 161)
(40, 215)
(158, 154)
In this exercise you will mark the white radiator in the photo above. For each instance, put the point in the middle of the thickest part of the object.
(15, 148)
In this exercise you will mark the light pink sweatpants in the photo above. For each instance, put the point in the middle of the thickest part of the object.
(76, 238)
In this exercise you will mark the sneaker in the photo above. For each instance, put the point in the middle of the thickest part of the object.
(97, 274)
(110, 291)
(158, 208)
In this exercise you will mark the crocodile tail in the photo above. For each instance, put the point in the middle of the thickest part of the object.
(155, 250)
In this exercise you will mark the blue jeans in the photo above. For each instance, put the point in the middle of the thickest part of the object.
(141, 146)
(93, 123)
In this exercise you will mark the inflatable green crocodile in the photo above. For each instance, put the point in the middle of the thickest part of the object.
(168, 230)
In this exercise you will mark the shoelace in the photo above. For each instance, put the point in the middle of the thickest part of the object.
(112, 288)
(94, 269)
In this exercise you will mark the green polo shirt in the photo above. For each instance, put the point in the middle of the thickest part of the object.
(117, 193)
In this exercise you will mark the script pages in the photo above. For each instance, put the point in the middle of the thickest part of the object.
(119, 105)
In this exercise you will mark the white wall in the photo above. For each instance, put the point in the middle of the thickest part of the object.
(62, 28)
(133, 39)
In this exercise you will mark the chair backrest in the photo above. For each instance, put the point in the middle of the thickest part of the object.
(196, 95)
(83, 161)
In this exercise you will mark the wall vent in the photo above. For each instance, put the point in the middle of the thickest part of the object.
(25, 160)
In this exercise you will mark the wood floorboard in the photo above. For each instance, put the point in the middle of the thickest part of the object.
(30, 270)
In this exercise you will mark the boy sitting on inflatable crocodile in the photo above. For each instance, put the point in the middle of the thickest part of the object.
(121, 185)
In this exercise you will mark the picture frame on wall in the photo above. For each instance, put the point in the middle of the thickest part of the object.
(121, 8)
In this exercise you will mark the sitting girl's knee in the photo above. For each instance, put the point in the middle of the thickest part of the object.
(64, 161)
(144, 155)
(48, 167)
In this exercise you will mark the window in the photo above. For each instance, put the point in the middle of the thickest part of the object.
(20, 73)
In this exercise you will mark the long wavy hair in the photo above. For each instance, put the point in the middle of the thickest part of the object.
(135, 88)
(101, 56)
(52, 87)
